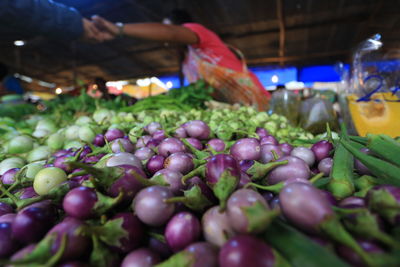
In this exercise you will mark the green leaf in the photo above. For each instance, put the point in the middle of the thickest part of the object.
(105, 203)
(111, 232)
(224, 187)
(195, 199)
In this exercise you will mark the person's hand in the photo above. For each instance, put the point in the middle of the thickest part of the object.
(107, 28)
(90, 31)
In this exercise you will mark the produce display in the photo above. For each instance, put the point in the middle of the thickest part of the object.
(193, 187)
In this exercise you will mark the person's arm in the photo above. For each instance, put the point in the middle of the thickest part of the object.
(150, 31)
(45, 17)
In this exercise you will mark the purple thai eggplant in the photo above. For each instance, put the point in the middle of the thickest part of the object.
(122, 145)
(135, 231)
(325, 166)
(359, 166)
(8, 178)
(144, 153)
(170, 177)
(152, 127)
(222, 175)
(261, 132)
(113, 134)
(246, 149)
(32, 222)
(217, 227)
(352, 202)
(99, 140)
(197, 129)
(155, 163)
(142, 141)
(182, 230)
(217, 144)
(286, 148)
(151, 207)
(127, 183)
(266, 153)
(142, 257)
(169, 146)
(269, 140)
(5, 209)
(77, 244)
(195, 143)
(242, 250)
(248, 212)
(308, 209)
(180, 162)
(305, 206)
(8, 244)
(295, 168)
(321, 149)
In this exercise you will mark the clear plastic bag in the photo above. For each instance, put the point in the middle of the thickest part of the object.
(371, 101)
(315, 113)
(286, 103)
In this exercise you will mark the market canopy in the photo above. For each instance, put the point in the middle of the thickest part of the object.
(267, 32)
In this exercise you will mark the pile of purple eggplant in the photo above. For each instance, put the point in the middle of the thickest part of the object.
(185, 198)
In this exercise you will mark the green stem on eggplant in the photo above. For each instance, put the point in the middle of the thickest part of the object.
(316, 177)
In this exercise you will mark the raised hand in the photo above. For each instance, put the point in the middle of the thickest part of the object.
(108, 29)
(92, 33)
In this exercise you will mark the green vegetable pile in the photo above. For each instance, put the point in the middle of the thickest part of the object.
(98, 183)
(185, 98)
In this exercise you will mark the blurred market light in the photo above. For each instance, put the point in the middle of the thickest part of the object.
(117, 84)
(58, 91)
(274, 78)
(23, 77)
(293, 85)
(143, 82)
(19, 43)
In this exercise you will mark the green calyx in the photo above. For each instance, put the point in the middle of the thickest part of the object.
(193, 199)
(259, 217)
(224, 187)
(258, 170)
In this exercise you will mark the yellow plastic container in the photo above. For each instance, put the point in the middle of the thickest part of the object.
(381, 115)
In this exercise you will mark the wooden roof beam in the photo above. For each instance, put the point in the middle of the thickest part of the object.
(282, 33)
